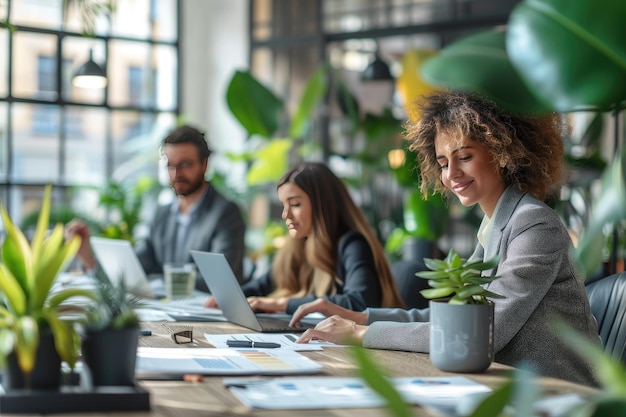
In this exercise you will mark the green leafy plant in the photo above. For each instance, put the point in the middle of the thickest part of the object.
(27, 273)
(259, 111)
(124, 202)
(458, 278)
(114, 307)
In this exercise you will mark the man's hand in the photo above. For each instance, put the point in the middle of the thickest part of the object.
(337, 330)
(85, 255)
(327, 308)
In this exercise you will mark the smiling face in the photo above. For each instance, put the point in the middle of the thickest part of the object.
(468, 170)
(185, 169)
(297, 211)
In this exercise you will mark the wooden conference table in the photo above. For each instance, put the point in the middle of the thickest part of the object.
(210, 397)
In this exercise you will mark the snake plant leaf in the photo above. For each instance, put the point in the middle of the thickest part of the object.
(253, 105)
(16, 252)
(27, 340)
(14, 295)
(314, 93)
(571, 54)
(270, 162)
(479, 63)
(63, 295)
(56, 262)
(64, 342)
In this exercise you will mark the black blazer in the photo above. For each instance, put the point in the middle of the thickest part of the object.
(356, 270)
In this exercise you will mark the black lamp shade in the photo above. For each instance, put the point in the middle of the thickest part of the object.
(90, 75)
(377, 70)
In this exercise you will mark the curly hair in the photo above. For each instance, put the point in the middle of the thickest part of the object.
(528, 148)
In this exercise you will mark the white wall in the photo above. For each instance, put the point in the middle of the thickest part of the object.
(214, 43)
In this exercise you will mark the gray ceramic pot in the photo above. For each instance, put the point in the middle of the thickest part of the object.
(461, 336)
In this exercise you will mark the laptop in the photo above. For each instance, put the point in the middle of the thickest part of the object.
(223, 284)
(118, 260)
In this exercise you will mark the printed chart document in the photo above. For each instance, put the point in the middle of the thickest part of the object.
(167, 363)
(285, 340)
(348, 392)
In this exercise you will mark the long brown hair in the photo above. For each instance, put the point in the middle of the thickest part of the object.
(308, 266)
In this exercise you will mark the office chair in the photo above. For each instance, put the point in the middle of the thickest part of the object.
(408, 284)
(607, 297)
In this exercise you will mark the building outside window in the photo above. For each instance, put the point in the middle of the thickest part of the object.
(54, 132)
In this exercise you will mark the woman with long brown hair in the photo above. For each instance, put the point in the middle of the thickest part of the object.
(331, 251)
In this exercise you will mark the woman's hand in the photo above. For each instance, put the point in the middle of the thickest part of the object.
(211, 302)
(268, 305)
(327, 308)
(337, 330)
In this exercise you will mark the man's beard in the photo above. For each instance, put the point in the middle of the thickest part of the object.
(190, 189)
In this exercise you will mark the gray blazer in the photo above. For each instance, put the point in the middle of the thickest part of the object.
(217, 227)
(537, 276)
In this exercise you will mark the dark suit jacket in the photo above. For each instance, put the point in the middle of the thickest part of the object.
(355, 269)
(218, 227)
(539, 280)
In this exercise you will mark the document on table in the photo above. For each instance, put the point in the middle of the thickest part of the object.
(169, 363)
(185, 309)
(347, 392)
(285, 340)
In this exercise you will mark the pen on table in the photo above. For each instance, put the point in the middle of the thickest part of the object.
(252, 344)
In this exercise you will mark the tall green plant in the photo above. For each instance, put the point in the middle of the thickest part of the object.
(261, 113)
(27, 273)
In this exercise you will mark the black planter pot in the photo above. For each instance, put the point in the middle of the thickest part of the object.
(47, 372)
(110, 356)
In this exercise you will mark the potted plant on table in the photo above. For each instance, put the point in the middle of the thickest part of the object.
(461, 314)
(34, 335)
(110, 335)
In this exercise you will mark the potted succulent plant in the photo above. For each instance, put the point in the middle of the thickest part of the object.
(461, 314)
(110, 334)
(34, 335)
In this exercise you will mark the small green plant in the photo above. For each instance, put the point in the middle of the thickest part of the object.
(459, 279)
(114, 307)
(27, 273)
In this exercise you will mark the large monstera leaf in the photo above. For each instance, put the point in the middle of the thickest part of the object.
(480, 63)
(572, 54)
